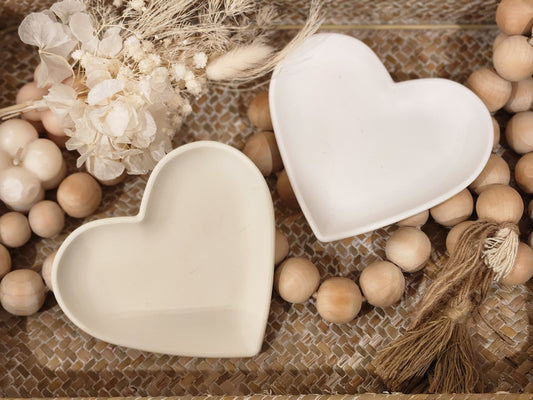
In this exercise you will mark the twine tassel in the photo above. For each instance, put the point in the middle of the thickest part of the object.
(437, 346)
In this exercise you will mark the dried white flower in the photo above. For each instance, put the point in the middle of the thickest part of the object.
(199, 60)
(137, 69)
(77, 54)
(194, 87)
(147, 46)
(137, 5)
(178, 71)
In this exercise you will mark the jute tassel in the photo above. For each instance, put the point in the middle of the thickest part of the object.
(436, 354)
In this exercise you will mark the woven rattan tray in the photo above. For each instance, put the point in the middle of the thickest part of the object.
(45, 355)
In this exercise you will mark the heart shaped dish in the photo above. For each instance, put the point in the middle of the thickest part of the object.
(361, 151)
(191, 274)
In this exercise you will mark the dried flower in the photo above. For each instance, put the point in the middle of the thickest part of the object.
(135, 71)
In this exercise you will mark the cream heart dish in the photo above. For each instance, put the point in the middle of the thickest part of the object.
(191, 274)
(362, 151)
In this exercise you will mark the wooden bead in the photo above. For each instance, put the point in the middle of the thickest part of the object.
(382, 283)
(513, 58)
(491, 88)
(454, 210)
(409, 248)
(523, 267)
(416, 220)
(30, 92)
(46, 270)
(263, 150)
(498, 39)
(519, 132)
(495, 171)
(530, 239)
(46, 219)
(281, 247)
(5, 261)
(339, 300)
(79, 195)
(515, 17)
(15, 229)
(521, 98)
(454, 234)
(523, 173)
(296, 279)
(22, 292)
(496, 137)
(500, 203)
(259, 112)
(53, 124)
(284, 189)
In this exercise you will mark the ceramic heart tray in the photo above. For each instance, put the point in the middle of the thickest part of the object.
(362, 151)
(191, 274)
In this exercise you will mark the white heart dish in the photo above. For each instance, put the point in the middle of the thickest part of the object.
(191, 274)
(362, 151)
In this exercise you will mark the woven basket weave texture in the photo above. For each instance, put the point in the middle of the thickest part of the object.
(45, 355)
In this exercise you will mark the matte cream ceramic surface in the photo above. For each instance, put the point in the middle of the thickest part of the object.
(362, 151)
(191, 274)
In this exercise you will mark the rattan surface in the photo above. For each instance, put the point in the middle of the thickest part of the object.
(45, 355)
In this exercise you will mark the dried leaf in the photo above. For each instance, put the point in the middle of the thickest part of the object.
(103, 91)
(39, 30)
(111, 44)
(104, 168)
(62, 99)
(82, 28)
(54, 69)
(117, 120)
(66, 8)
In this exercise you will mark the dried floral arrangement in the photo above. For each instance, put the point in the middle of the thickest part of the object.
(121, 75)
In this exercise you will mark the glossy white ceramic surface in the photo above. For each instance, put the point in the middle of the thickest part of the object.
(362, 151)
(191, 274)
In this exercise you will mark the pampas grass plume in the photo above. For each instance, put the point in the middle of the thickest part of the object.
(238, 60)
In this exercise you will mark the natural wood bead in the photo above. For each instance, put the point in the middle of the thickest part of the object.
(519, 132)
(521, 98)
(523, 267)
(416, 220)
(263, 150)
(296, 279)
(500, 203)
(338, 300)
(259, 112)
(284, 189)
(5, 261)
(382, 283)
(15, 229)
(523, 173)
(491, 88)
(497, 131)
(456, 209)
(409, 248)
(515, 17)
(281, 247)
(454, 234)
(22, 292)
(79, 195)
(513, 58)
(495, 171)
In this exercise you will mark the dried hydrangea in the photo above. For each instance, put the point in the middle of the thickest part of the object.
(135, 66)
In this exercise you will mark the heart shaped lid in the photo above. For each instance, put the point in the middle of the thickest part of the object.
(191, 274)
(361, 151)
